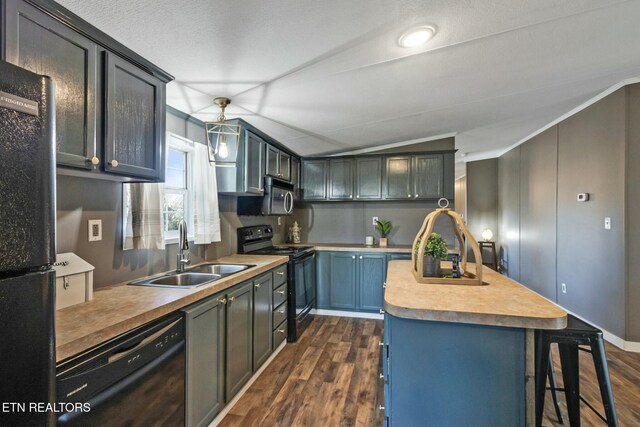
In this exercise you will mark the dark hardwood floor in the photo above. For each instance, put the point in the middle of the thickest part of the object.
(330, 378)
(624, 370)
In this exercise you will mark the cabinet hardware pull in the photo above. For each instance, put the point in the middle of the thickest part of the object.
(409, 196)
(231, 299)
(381, 408)
(416, 195)
(357, 197)
(280, 292)
(353, 257)
(94, 161)
(281, 311)
(257, 286)
(114, 163)
(381, 311)
(360, 256)
(281, 331)
(222, 300)
(65, 282)
(381, 376)
(380, 343)
(351, 196)
(280, 273)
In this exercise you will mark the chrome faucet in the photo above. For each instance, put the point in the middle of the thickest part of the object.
(183, 245)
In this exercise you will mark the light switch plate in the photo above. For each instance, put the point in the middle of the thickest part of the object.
(564, 288)
(375, 219)
(95, 230)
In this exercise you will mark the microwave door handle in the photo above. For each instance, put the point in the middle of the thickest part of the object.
(289, 197)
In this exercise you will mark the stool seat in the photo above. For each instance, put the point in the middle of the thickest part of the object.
(577, 333)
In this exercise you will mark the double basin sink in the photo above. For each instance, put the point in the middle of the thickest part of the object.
(194, 276)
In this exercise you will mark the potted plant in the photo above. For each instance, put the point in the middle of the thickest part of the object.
(384, 228)
(434, 251)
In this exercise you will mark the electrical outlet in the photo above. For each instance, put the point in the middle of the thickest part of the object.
(375, 219)
(95, 230)
(564, 288)
(279, 221)
(607, 223)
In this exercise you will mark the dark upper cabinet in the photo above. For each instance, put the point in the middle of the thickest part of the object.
(295, 177)
(368, 178)
(254, 163)
(414, 177)
(398, 184)
(42, 44)
(134, 122)
(427, 176)
(278, 163)
(340, 179)
(314, 179)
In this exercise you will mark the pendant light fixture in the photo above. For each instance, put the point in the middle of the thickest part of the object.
(222, 137)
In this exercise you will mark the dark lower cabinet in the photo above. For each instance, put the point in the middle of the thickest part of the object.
(205, 329)
(351, 281)
(134, 129)
(42, 44)
(262, 319)
(239, 321)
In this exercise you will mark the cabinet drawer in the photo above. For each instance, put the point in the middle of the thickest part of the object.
(279, 334)
(279, 295)
(279, 275)
(279, 314)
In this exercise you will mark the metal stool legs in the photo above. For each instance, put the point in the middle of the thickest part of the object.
(554, 389)
(602, 371)
(571, 378)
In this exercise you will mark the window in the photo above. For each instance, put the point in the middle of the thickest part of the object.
(178, 188)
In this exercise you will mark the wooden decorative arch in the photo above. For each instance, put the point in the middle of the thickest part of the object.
(461, 230)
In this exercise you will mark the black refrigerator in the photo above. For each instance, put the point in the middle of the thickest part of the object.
(27, 247)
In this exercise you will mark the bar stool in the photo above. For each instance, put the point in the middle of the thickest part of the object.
(576, 334)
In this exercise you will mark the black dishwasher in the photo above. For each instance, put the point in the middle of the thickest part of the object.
(135, 379)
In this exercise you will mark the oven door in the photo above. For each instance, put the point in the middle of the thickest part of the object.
(281, 201)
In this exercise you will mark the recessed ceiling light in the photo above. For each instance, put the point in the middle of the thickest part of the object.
(417, 36)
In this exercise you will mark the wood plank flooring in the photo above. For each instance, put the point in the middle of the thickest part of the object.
(330, 378)
(624, 370)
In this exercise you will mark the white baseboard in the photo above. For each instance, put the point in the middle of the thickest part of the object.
(323, 312)
(244, 389)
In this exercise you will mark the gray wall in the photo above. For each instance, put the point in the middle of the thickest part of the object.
(81, 199)
(350, 222)
(508, 239)
(482, 198)
(547, 238)
(538, 177)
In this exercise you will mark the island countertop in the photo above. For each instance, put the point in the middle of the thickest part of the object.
(119, 308)
(501, 302)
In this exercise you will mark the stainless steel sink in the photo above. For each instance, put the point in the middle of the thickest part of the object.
(182, 280)
(222, 269)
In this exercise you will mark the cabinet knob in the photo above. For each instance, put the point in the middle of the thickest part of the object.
(360, 256)
(409, 195)
(353, 257)
(357, 197)
(351, 196)
(257, 286)
(114, 163)
(222, 300)
(231, 299)
(94, 161)
(416, 195)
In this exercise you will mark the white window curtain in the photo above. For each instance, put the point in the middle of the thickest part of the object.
(206, 213)
(143, 223)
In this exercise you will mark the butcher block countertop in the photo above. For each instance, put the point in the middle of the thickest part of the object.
(354, 247)
(120, 308)
(501, 302)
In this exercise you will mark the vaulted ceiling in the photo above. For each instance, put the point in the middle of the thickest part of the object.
(329, 76)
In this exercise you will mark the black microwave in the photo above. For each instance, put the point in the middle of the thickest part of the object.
(277, 200)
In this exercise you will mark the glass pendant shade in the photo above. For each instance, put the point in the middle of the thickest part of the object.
(222, 137)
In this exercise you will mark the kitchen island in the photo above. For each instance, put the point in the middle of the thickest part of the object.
(461, 355)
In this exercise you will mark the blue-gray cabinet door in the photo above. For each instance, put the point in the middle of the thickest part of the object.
(39, 43)
(340, 179)
(285, 166)
(372, 275)
(295, 177)
(368, 178)
(343, 274)
(397, 182)
(428, 176)
(314, 179)
(135, 121)
(323, 267)
(205, 361)
(262, 319)
(239, 323)
(254, 163)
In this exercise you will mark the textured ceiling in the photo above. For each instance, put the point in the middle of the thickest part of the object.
(328, 76)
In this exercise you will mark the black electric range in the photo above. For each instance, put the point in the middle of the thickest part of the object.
(301, 274)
